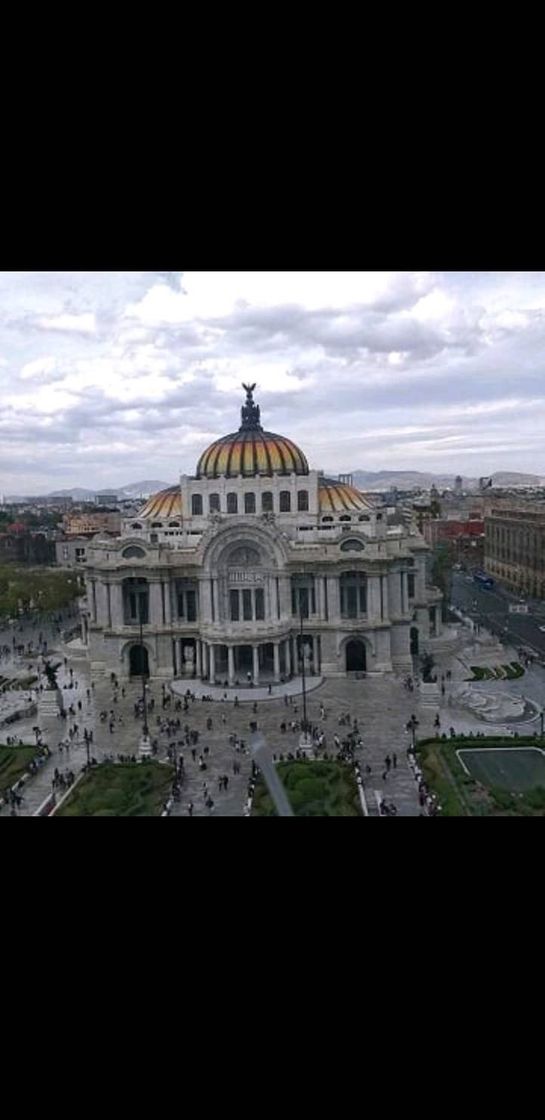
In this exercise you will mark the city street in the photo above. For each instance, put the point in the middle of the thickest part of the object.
(492, 611)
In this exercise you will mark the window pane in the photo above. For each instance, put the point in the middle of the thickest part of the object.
(180, 604)
(249, 503)
(267, 502)
(285, 501)
(303, 601)
(411, 586)
(363, 597)
(235, 610)
(302, 501)
(352, 602)
(214, 503)
(247, 606)
(293, 601)
(196, 504)
(232, 503)
(259, 603)
(191, 606)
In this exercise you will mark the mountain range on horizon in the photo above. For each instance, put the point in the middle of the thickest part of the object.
(363, 480)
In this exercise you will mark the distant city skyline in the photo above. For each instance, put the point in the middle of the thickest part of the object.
(111, 376)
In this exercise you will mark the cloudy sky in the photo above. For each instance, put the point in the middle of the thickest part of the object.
(112, 377)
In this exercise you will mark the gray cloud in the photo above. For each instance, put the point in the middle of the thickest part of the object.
(386, 380)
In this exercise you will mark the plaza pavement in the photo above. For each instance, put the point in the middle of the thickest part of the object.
(381, 704)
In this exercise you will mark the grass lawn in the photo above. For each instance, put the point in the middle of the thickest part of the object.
(13, 764)
(127, 789)
(315, 789)
(500, 783)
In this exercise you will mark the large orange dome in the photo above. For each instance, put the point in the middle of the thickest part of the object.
(251, 451)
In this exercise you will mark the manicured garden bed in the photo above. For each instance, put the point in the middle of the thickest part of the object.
(14, 762)
(460, 794)
(315, 789)
(126, 789)
(499, 672)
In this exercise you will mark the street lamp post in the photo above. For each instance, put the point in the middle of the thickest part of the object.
(304, 741)
(145, 744)
(303, 677)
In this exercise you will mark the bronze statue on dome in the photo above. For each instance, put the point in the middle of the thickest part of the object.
(250, 412)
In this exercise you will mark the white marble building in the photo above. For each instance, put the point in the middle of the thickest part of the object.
(220, 570)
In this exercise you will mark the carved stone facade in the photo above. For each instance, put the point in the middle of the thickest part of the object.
(221, 571)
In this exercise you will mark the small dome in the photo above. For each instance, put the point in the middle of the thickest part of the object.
(251, 451)
(167, 503)
(339, 497)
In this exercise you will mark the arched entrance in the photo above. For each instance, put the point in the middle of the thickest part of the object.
(356, 660)
(138, 661)
(414, 641)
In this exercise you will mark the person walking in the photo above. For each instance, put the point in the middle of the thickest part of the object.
(388, 762)
(394, 760)
(190, 809)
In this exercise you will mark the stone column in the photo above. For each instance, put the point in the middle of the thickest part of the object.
(406, 592)
(334, 598)
(101, 602)
(168, 603)
(287, 656)
(204, 661)
(394, 593)
(284, 584)
(276, 650)
(116, 603)
(385, 604)
(156, 604)
(255, 650)
(373, 598)
(205, 600)
(212, 655)
(198, 658)
(231, 664)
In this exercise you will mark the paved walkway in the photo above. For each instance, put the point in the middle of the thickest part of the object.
(244, 694)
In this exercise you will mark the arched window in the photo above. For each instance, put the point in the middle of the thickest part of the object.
(249, 503)
(157, 524)
(174, 524)
(133, 552)
(353, 587)
(352, 546)
(345, 517)
(136, 525)
(324, 519)
(214, 503)
(267, 502)
(363, 517)
(285, 501)
(302, 501)
(232, 503)
(196, 505)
